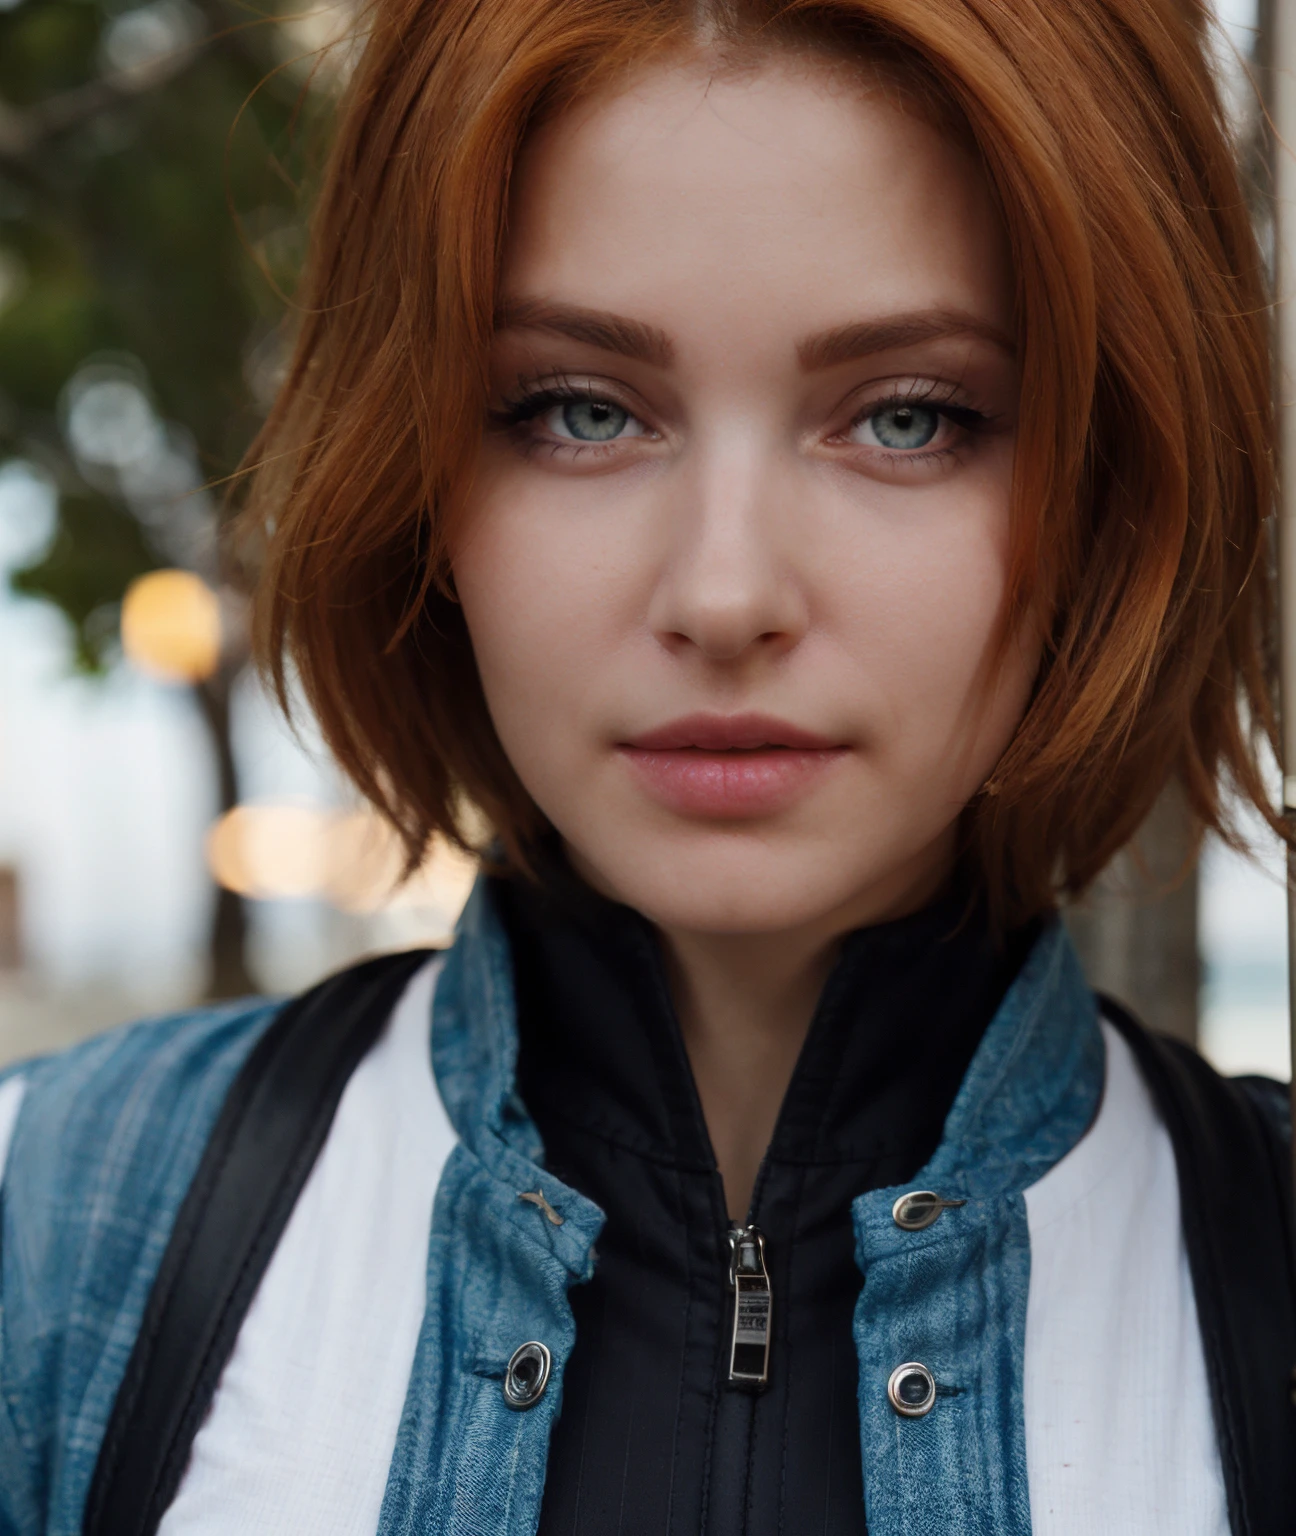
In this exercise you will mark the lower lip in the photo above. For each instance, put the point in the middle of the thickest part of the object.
(729, 785)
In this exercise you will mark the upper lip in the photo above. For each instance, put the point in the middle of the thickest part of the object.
(729, 733)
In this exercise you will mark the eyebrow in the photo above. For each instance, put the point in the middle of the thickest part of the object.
(849, 343)
(826, 349)
(596, 328)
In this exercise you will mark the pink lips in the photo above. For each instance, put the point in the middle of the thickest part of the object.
(729, 766)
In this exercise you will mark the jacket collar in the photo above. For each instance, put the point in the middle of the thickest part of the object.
(953, 1295)
(1034, 1084)
(474, 1060)
(1031, 1090)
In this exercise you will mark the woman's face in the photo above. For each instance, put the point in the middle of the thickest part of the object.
(737, 547)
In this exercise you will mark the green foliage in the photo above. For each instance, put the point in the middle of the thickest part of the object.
(98, 549)
(136, 210)
(61, 316)
(46, 48)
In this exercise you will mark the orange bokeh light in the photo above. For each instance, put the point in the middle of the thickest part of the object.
(351, 859)
(171, 626)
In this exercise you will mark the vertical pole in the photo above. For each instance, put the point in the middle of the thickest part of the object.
(1281, 17)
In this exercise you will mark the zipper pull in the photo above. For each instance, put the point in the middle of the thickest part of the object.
(750, 1283)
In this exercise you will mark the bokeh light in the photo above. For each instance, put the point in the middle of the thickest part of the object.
(171, 626)
(144, 45)
(109, 419)
(28, 513)
(323, 41)
(269, 851)
(123, 448)
(351, 859)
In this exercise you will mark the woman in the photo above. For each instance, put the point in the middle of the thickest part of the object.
(800, 471)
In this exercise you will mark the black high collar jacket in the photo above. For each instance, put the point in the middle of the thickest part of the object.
(654, 1436)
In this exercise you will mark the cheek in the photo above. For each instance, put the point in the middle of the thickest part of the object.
(918, 609)
(537, 594)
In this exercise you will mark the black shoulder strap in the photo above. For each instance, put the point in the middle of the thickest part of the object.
(266, 1139)
(1235, 1191)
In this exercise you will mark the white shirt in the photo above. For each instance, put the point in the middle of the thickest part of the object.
(1119, 1434)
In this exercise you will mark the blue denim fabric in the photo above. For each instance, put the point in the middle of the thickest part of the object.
(106, 1144)
(110, 1135)
(954, 1296)
(498, 1271)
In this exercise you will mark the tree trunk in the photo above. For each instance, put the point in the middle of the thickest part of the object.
(228, 975)
(1137, 929)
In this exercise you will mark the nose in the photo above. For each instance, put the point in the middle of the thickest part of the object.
(729, 586)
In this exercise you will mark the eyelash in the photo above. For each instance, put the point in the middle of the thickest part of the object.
(933, 397)
(526, 407)
(517, 411)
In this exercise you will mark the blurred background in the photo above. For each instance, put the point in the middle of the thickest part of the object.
(165, 835)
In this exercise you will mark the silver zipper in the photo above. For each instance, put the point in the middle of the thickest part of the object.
(749, 1280)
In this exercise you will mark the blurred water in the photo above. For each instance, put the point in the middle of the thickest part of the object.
(1243, 941)
(106, 793)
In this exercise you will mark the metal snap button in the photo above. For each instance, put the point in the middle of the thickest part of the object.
(917, 1210)
(527, 1375)
(912, 1390)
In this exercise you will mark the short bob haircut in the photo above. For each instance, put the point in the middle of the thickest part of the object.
(1144, 476)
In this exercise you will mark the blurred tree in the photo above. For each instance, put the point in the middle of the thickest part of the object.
(149, 219)
(1136, 930)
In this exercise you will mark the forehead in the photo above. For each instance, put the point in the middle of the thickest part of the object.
(692, 195)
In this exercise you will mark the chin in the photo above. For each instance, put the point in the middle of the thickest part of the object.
(743, 881)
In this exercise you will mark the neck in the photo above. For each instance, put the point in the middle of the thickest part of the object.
(745, 1002)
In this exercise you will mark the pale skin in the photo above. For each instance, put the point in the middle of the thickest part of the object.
(751, 453)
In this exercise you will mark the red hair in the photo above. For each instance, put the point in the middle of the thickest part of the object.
(1144, 475)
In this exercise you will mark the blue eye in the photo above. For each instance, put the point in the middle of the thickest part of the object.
(570, 415)
(594, 421)
(903, 427)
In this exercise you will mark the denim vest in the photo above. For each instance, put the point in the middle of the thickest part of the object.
(110, 1134)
